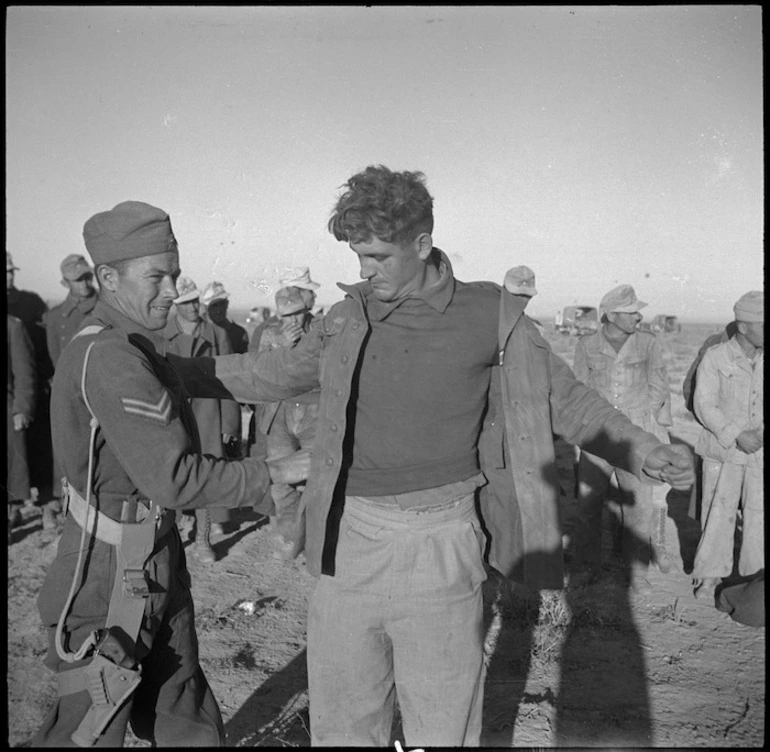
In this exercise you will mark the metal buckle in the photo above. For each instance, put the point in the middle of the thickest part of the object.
(135, 583)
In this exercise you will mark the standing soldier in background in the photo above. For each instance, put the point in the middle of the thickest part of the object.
(729, 403)
(61, 323)
(290, 425)
(31, 308)
(216, 301)
(63, 320)
(20, 404)
(116, 599)
(626, 367)
(188, 334)
(688, 393)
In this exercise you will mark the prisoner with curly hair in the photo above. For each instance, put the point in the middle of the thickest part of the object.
(405, 363)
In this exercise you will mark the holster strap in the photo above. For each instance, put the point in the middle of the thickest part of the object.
(105, 528)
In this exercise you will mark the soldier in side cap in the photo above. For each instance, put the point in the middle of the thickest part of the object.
(729, 403)
(116, 600)
(625, 365)
(290, 424)
(188, 334)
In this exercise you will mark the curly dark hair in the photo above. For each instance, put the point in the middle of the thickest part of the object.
(394, 207)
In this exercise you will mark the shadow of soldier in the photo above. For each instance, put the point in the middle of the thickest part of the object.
(276, 714)
(603, 696)
(565, 667)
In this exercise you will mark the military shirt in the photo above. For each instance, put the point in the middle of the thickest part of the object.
(147, 444)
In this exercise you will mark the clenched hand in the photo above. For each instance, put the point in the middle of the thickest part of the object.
(672, 464)
(293, 468)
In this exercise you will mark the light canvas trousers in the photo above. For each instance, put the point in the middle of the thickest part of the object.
(725, 487)
(401, 618)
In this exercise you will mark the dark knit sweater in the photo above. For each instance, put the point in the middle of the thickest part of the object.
(420, 388)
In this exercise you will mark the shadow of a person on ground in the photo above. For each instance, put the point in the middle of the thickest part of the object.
(275, 714)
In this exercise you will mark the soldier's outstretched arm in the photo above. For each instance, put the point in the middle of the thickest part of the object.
(266, 376)
(141, 421)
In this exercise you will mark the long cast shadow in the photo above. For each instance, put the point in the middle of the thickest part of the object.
(602, 694)
(276, 713)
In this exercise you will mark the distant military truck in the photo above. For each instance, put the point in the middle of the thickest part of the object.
(665, 323)
(577, 320)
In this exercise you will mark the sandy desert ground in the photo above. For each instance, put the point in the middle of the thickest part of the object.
(592, 666)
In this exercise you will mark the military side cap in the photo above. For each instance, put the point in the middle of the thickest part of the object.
(299, 277)
(9, 266)
(750, 307)
(187, 290)
(129, 230)
(289, 300)
(75, 266)
(621, 299)
(213, 292)
(520, 280)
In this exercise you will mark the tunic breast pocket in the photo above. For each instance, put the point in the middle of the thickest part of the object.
(635, 371)
(729, 382)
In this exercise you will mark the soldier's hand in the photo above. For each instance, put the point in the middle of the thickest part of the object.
(20, 422)
(291, 469)
(750, 441)
(292, 331)
(672, 464)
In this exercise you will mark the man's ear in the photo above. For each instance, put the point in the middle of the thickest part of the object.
(108, 277)
(63, 283)
(424, 244)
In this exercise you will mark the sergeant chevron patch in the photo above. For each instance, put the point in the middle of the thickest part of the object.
(159, 411)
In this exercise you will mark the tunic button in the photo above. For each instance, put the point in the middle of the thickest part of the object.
(329, 461)
(333, 427)
(339, 392)
(356, 325)
(344, 358)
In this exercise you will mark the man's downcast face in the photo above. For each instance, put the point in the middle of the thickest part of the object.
(626, 322)
(147, 288)
(754, 331)
(189, 311)
(392, 270)
(82, 287)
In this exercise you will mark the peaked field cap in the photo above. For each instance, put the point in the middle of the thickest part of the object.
(9, 265)
(129, 230)
(621, 299)
(299, 277)
(75, 266)
(214, 291)
(750, 307)
(289, 300)
(520, 280)
(187, 290)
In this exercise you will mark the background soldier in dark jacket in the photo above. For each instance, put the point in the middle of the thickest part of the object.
(20, 405)
(31, 308)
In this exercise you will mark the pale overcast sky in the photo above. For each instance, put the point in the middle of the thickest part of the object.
(596, 145)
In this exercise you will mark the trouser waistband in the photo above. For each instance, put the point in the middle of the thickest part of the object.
(387, 514)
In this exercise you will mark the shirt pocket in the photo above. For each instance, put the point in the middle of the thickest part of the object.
(731, 383)
(635, 371)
